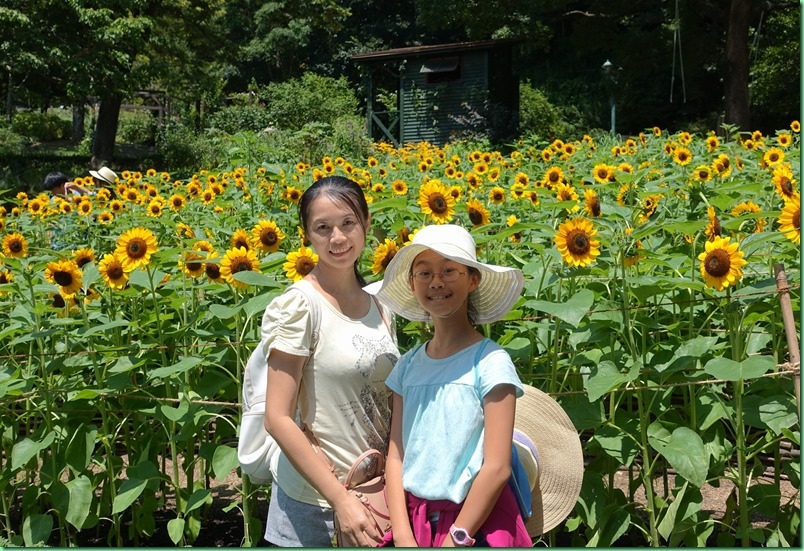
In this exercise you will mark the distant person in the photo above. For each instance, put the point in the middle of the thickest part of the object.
(104, 177)
(57, 183)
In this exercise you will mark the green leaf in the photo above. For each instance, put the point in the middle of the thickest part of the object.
(729, 370)
(257, 279)
(36, 530)
(222, 312)
(80, 500)
(572, 311)
(616, 442)
(256, 305)
(686, 354)
(129, 491)
(685, 452)
(198, 498)
(176, 529)
(185, 364)
(25, 449)
(80, 448)
(106, 327)
(224, 460)
(605, 377)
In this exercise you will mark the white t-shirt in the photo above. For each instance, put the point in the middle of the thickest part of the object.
(442, 416)
(343, 398)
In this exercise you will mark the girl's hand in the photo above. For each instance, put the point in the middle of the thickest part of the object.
(358, 527)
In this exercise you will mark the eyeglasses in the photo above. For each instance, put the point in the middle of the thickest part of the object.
(449, 275)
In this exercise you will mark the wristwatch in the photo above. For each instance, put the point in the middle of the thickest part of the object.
(460, 537)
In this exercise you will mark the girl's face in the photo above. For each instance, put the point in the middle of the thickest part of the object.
(440, 298)
(336, 233)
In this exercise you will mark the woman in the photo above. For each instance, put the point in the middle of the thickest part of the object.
(343, 403)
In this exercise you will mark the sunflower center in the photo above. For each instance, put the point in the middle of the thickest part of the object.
(115, 271)
(83, 261)
(136, 248)
(15, 246)
(268, 238)
(578, 243)
(4, 278)
(58, 301)
(304, 266)
(438, 204)
(717, 263)
(595, 207)
(387, 259)
(243, 265)
(239, 244)
(475, 216)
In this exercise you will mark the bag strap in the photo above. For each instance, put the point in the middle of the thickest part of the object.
(475, 368)
(313, 301)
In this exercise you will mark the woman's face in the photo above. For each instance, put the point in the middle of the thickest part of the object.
(336, 233)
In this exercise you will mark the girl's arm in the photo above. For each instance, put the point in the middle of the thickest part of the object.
(499, 408)
(284, 376)
(400, 523)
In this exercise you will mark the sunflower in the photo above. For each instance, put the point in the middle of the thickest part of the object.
(5, 277)
(493, 175)
(293, 194)
(473, 180)
(238, 260)
(36, 207)
(565, 192)
(751, 225)
(795, 126)
(591, 203)
(712, 143)
(790, 219)
(575, 241)
(532, 196)
(132, 195)
(135, 247)
(721, 263)
(177, 202)
(113, 272)
(784, 139)
(601, 173)
(383, 255)
(515, 237)
(497, 195)
(773, 156)
(185, 230)
(116, 206)
(436, 201)
(649, 205)
(191, 263)
(240, 238)
(399, 187)
(213, 269)
(105, 217)
(15, 245)
(193, 188)
(83, 256)
(702, 173)
(553, 177)
(783, 181)
(682, 156)
(722, 166)
(478, 214)
(267, 236)
(84, 208)
(66, 274)
(154, 208)
(300, 263)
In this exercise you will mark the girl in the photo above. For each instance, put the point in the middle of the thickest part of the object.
(454, 398)
(339, 391)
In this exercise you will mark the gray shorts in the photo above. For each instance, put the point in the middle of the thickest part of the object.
(292, 523)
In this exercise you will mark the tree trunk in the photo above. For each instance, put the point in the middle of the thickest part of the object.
(738, 106)
(78, 122)
(106, 129)
(9, 98)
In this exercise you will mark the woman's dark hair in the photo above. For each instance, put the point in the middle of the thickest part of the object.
(342, 190)
(54, 179)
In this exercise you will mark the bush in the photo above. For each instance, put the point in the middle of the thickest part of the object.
(312, 98)
(539, 117)
(181, 149)
(239, 118)
(136, 127)
(41, 127)
(10, 141)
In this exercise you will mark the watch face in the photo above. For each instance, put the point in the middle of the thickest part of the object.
(460, 535)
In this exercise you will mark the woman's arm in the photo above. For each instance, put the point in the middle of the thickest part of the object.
(284, 378)
(499, 408)
(400, 523)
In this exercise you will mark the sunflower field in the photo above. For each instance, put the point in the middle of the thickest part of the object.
(650, 311)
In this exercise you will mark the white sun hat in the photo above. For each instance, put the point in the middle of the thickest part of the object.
(105, 173)
(549, 448)
(499, 287)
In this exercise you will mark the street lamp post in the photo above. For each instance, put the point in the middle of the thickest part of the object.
(611, 77)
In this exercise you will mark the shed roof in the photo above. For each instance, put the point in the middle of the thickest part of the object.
(434, 49)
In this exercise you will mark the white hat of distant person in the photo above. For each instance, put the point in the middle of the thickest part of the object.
(105, 174)
(497, 292)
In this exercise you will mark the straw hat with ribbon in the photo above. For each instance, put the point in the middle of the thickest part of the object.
(105, 174)
(549, 449)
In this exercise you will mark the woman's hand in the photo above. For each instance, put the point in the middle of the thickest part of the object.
(357, 526)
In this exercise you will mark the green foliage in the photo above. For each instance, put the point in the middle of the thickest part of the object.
(41, 127)
(10, 141)
(136, 127)
(539, 117)
(311, 98)
(181, 149)
(239, 118)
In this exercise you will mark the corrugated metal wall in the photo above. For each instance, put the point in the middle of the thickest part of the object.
(426, 108)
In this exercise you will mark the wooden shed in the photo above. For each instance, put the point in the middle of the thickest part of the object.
(443, 91)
